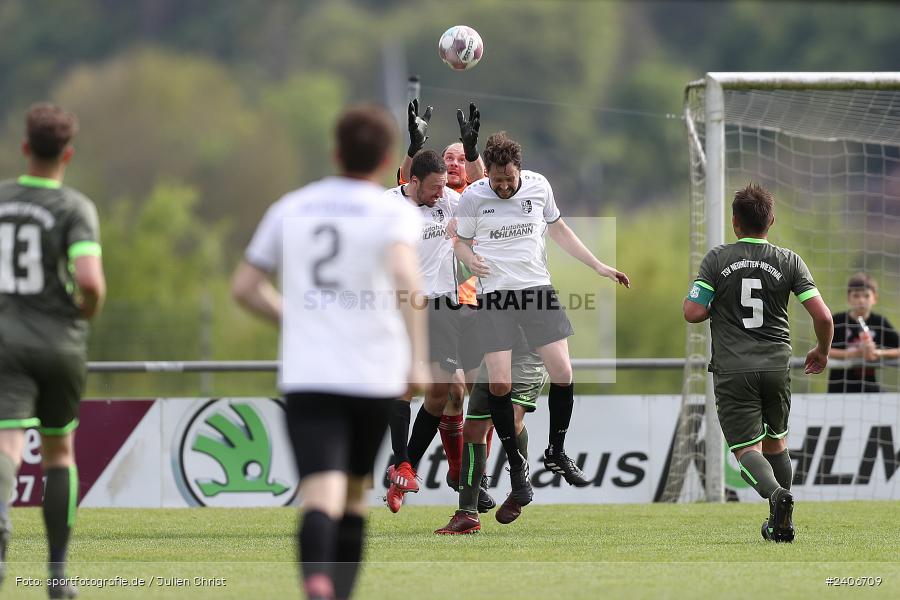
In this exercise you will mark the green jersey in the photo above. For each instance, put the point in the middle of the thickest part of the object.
(44, 227)
(747, 286)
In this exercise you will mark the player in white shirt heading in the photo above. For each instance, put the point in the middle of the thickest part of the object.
(464, 165)
(506, 216)
(345, 359)
(427, 191)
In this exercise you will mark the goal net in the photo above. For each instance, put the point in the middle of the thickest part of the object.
(828, 146)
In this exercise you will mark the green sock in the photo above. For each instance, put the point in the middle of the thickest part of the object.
(60, 500)
(757, 471)
(473, 460)
(781, 466)
(522, 439)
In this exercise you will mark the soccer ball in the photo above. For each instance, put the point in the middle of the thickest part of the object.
(460, 47)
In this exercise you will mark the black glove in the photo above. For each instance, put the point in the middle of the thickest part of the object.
(468, 131)
(418, 127)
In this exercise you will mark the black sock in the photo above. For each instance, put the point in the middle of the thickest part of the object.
(757, 471)
(423, 431)
(317, 544)
(522, 441)
(502, 415)
(562, 399)
(400, 431)
(473, 463)
(782, 467)
(60, 500)
(351, 530)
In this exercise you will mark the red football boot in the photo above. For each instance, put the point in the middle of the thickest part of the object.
(461, 522)
(404, 477)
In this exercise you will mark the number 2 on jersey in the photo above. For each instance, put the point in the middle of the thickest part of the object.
(326, 231)
(747, 299)
(29, 259)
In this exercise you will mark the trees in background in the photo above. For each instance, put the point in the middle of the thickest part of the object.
(196, 116)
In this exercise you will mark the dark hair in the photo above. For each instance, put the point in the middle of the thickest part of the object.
(426, 162)
(365, 134)
(862, 281)
(501, 151)
(754, 208)
(49, 130)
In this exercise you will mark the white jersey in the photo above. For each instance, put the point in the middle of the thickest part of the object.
(341, 331)
(509, 233)
(436, 258)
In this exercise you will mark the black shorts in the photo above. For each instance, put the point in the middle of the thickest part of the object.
(333, 432)
(537, 310)
(470, 352)
(444, 322)
(40, 388)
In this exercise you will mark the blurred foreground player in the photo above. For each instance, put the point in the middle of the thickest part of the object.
(51, 284)
(744, 289)
(342, 363)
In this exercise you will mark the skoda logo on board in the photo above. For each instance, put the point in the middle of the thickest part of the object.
(236, 452)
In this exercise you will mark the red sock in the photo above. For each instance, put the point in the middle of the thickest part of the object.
(452, 439)
(318, 585)
(490, 436)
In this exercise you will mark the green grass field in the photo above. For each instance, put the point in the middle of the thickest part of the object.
(566, 552)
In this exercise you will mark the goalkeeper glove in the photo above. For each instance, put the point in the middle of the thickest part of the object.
(468, 131)
(418, 127)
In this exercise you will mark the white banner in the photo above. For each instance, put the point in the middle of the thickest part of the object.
(844, 447)
(620, 442)
(235, 452)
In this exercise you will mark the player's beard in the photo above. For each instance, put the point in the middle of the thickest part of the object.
(455, 182)
(429, 202)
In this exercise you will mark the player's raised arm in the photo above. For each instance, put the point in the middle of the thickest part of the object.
(418, 133)
(563, 235)
(468, 135)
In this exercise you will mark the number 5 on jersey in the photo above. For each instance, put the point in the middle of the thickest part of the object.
(747, 299)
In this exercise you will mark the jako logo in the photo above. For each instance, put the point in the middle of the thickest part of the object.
(236, 453)
(487, 211)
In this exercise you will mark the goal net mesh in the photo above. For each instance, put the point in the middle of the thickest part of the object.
(832, 159)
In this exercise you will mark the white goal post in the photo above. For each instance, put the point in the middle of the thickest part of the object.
(814, 138)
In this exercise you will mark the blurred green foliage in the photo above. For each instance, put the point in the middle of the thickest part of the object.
(195, 116)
